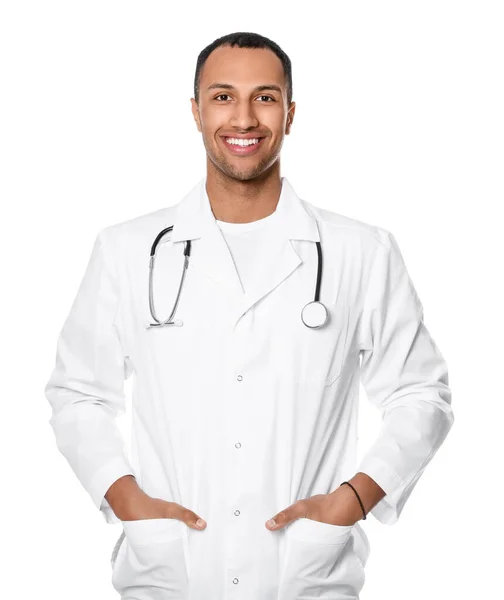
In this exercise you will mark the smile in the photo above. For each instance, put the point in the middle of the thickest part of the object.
(240, 146)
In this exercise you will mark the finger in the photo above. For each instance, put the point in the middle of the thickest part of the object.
(190, 518)
(193, 520)
(286, 516)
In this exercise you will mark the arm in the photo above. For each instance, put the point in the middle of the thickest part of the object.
(406, 377)
(86, 387)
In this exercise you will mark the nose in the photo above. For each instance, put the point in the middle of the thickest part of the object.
(244, 116)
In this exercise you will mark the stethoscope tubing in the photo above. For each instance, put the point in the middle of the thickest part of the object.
(319, 273)
(187, 254)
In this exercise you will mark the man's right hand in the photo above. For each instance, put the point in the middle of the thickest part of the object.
(130, 503)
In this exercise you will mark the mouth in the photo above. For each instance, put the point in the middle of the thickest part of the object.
(242, 147)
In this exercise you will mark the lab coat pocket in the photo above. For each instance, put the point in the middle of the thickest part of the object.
(117, 551)
(324, 348)
(361, 544)
(311, 563)
(153, 565)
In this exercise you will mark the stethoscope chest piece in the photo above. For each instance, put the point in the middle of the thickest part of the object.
(314, 314)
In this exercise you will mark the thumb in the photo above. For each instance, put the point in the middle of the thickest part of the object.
(191, 519)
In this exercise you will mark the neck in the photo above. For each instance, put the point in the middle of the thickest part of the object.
(235, 201)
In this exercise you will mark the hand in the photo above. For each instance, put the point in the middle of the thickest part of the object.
(156, 508)
(130, 503)
(337, 508)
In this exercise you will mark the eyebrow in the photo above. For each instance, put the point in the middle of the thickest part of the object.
(259, 88)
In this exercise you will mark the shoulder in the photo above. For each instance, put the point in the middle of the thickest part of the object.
(133, 234)
(334, 224)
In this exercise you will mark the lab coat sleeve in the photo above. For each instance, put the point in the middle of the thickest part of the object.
(405, 376)
(86, 387)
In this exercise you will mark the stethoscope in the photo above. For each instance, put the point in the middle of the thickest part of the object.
(314, 315)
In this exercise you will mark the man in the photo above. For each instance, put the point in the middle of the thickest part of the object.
(241, 412)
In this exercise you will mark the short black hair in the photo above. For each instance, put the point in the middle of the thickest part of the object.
(245, 39)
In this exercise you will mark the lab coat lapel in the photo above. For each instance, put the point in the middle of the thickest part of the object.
(195, 220)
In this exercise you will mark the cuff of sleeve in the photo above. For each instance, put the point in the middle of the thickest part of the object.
(103, 479)
(108, 514)
(387, 509)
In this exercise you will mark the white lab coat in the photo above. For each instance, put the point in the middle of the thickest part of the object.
(243, 410)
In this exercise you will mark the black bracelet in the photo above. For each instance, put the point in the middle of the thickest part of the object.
(358, 498)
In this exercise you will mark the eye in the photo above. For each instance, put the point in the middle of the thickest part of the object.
(228, 96)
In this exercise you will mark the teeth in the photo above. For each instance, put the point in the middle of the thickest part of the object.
(242, 142)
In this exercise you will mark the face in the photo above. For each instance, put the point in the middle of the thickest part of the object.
(243, 93)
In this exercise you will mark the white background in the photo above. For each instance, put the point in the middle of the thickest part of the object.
(399, 123)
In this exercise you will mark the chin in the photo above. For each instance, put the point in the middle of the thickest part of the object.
(237, 173)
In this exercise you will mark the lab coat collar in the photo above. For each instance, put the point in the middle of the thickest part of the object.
(194, 215)
(194, 219)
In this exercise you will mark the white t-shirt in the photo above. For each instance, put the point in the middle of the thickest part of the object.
(250, 245)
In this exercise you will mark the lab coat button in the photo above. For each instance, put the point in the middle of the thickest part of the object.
(235, 580)
(238, 445)
(239, 378)
(237, 512)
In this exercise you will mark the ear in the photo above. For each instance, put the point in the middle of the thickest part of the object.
(195, 112)
(290, 118)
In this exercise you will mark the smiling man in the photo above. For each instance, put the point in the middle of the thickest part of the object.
(242, 482)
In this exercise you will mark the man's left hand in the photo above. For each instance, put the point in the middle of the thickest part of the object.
(340, 507)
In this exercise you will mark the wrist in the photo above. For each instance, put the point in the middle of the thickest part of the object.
(352, 504)
(369, 492)
(124, 496)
